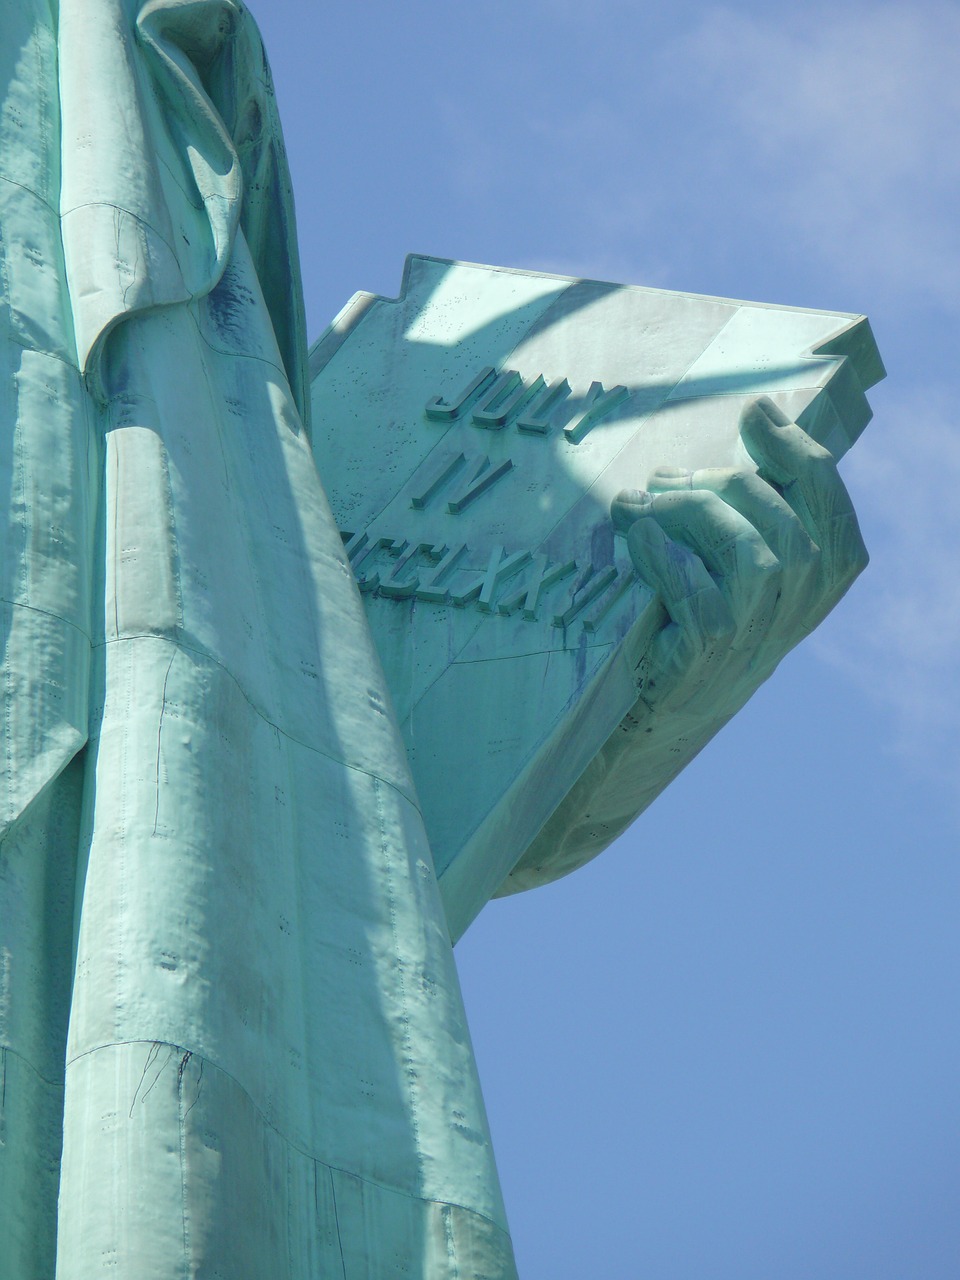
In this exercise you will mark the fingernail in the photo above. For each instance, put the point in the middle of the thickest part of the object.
(772, 413)
(670, 476)
(628, 506)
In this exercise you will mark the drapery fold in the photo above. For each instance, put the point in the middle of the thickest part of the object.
(245, 1023)
(155, 187)
(48, 451)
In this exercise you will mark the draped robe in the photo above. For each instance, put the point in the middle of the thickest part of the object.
(231, 1034)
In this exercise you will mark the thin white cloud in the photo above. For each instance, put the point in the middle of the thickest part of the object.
(828, 127)
(898, 634)
(851, 114)
(823, 135)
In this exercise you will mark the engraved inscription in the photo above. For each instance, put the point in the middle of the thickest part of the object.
(446, 471)
(485, 586)
(432, 587)
(537, 418)
(501, 397)
(619, 587)
(599, 404)
(542, 577)
(473, 476)
(496, 406)
(589, 585)
(399, 584)
(510, 582)
(480, 480)
(440, 410)
(510, 393)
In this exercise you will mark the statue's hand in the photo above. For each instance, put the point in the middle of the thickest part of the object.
(744, 563)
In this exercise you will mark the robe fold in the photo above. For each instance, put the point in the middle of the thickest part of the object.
(227, 986)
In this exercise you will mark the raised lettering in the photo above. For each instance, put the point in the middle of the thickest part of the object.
(397, 587)
(485, 585)
(353, 543)
(599, 404)
(431, 588)
(538, 416)
(585, 590)
(493, 410)
(441, 410)
(370, 582)
(499, 571)
(543, 575)
(447, 469)
(423, 570)
(625, 579)
(482, 477)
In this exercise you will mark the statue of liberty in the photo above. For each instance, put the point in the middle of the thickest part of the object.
(232, 1041)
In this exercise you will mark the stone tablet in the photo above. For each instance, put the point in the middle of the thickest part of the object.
(471, 435)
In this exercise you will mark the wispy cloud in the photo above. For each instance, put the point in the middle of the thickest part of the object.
(851, 114)
(825, 131)
(840, 122)
(806, 155)
(898, 634)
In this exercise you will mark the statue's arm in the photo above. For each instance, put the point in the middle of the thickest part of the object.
(745, 564)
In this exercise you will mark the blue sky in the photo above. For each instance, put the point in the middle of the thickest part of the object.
(728, 1049)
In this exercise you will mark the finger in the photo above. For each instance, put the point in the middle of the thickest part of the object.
(772, 517)
(807, 477)
(754, 499)
(691, 598)
(743, 566)
(627, 506)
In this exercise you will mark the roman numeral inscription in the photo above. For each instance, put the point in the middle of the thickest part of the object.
(484, 587)
(510, 582)
(496, 399)
(542, 577)
(469, 476)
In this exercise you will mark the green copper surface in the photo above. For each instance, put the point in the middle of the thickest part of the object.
(486, 421)
(245, 1022)
(245, 806)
